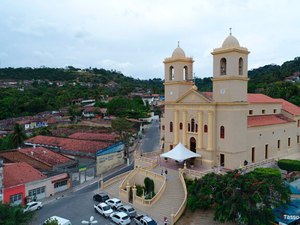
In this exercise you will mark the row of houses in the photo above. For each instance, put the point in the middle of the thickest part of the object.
(48, 165)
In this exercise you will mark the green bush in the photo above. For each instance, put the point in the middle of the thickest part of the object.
(139, 190)
(149, 187)
(289, 165)
(267, 172)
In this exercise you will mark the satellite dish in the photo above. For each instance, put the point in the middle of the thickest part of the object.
(92, 221)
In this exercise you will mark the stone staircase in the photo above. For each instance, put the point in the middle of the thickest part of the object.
(169, 202)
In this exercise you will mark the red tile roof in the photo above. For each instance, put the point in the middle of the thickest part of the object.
(13, 156)
(261, 98)
(265, 120)
(20, 173)
(94, 136)
(45, 156)
(289, 107)
(69, 143)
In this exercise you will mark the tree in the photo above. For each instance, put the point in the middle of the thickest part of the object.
(124, 129)
(18, 136)
(12, 215)
(244, 198)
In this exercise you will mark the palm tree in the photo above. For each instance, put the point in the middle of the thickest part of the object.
(18, 136)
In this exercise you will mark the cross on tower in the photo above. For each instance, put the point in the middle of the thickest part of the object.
(230, 30)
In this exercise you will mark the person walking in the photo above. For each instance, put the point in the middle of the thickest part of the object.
(166, 173)
(166, 222)
(162, 172)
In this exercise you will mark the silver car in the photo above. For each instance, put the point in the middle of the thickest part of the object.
(130, 211)
(32, 206)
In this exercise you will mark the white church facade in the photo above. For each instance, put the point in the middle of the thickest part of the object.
(227, 127)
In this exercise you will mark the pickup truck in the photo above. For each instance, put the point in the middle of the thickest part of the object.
(103, 209)
(144, 220)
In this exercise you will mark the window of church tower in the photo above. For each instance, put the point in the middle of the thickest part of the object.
(222, 132)
(171, 73)
(278, 144)
(289, 142)
(274, 110)
(250, 112)
(189, 127)
(263, 111)
(241, 62)
(171, 147)
(205, 128)
(180, 126)
(298, 123)
(185, 73)
(196, 128)
(192, 125)
(223, 66)
(163, 127)
(171, 126)
(298, 139)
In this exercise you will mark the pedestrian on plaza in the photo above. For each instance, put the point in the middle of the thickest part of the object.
(162, 172)
(166, 222)
(166, 173)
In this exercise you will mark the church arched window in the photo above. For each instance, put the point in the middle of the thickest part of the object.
(222, 132)
(180, 126)
(196, 128)
(171, 73)
(205, 128)
(171, 126)
(185, 73)
(223, 66)
(241, 64)
(192, 125)
(189, 127)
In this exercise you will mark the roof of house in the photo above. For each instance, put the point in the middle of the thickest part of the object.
(94, 136)
(265, 120)
(69, 143)
(13, 156)
(45, 156)
(20, 173)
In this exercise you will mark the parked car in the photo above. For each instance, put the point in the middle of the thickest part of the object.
(100, 197)
(60, 220)
(114, 202)
(120, 218)
(130, 211)
(144, 220)
(32, 206)
(103, 209)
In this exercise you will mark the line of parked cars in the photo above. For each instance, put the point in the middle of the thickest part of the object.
(113, 209)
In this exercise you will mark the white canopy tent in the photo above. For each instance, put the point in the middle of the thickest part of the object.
(180, 153)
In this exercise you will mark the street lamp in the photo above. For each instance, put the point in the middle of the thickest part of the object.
(92, 221)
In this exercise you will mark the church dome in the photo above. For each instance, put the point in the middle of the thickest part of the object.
(230, 42)
(178, 53)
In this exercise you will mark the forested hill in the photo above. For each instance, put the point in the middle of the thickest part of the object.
(269, 80)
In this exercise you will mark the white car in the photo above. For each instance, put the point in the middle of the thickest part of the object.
(103, 209)
(114, 202)
(32, 206)
(120, 218)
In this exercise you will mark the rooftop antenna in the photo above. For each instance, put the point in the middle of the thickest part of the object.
(230, 31)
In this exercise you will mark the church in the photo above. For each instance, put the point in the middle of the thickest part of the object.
(228, 127)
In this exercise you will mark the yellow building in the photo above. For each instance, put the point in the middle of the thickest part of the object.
(228, 126)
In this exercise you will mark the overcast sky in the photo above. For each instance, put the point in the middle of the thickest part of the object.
(134, 36)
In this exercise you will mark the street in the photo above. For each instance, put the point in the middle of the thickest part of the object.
(151, 138)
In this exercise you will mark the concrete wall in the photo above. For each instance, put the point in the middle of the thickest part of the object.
(108, 162)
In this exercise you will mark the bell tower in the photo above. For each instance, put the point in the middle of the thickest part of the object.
(230, 71)
(178, 75)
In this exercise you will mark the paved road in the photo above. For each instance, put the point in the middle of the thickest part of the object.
(151, 139)
(75, 206)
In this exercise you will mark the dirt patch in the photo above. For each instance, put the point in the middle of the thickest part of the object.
(199, 217)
